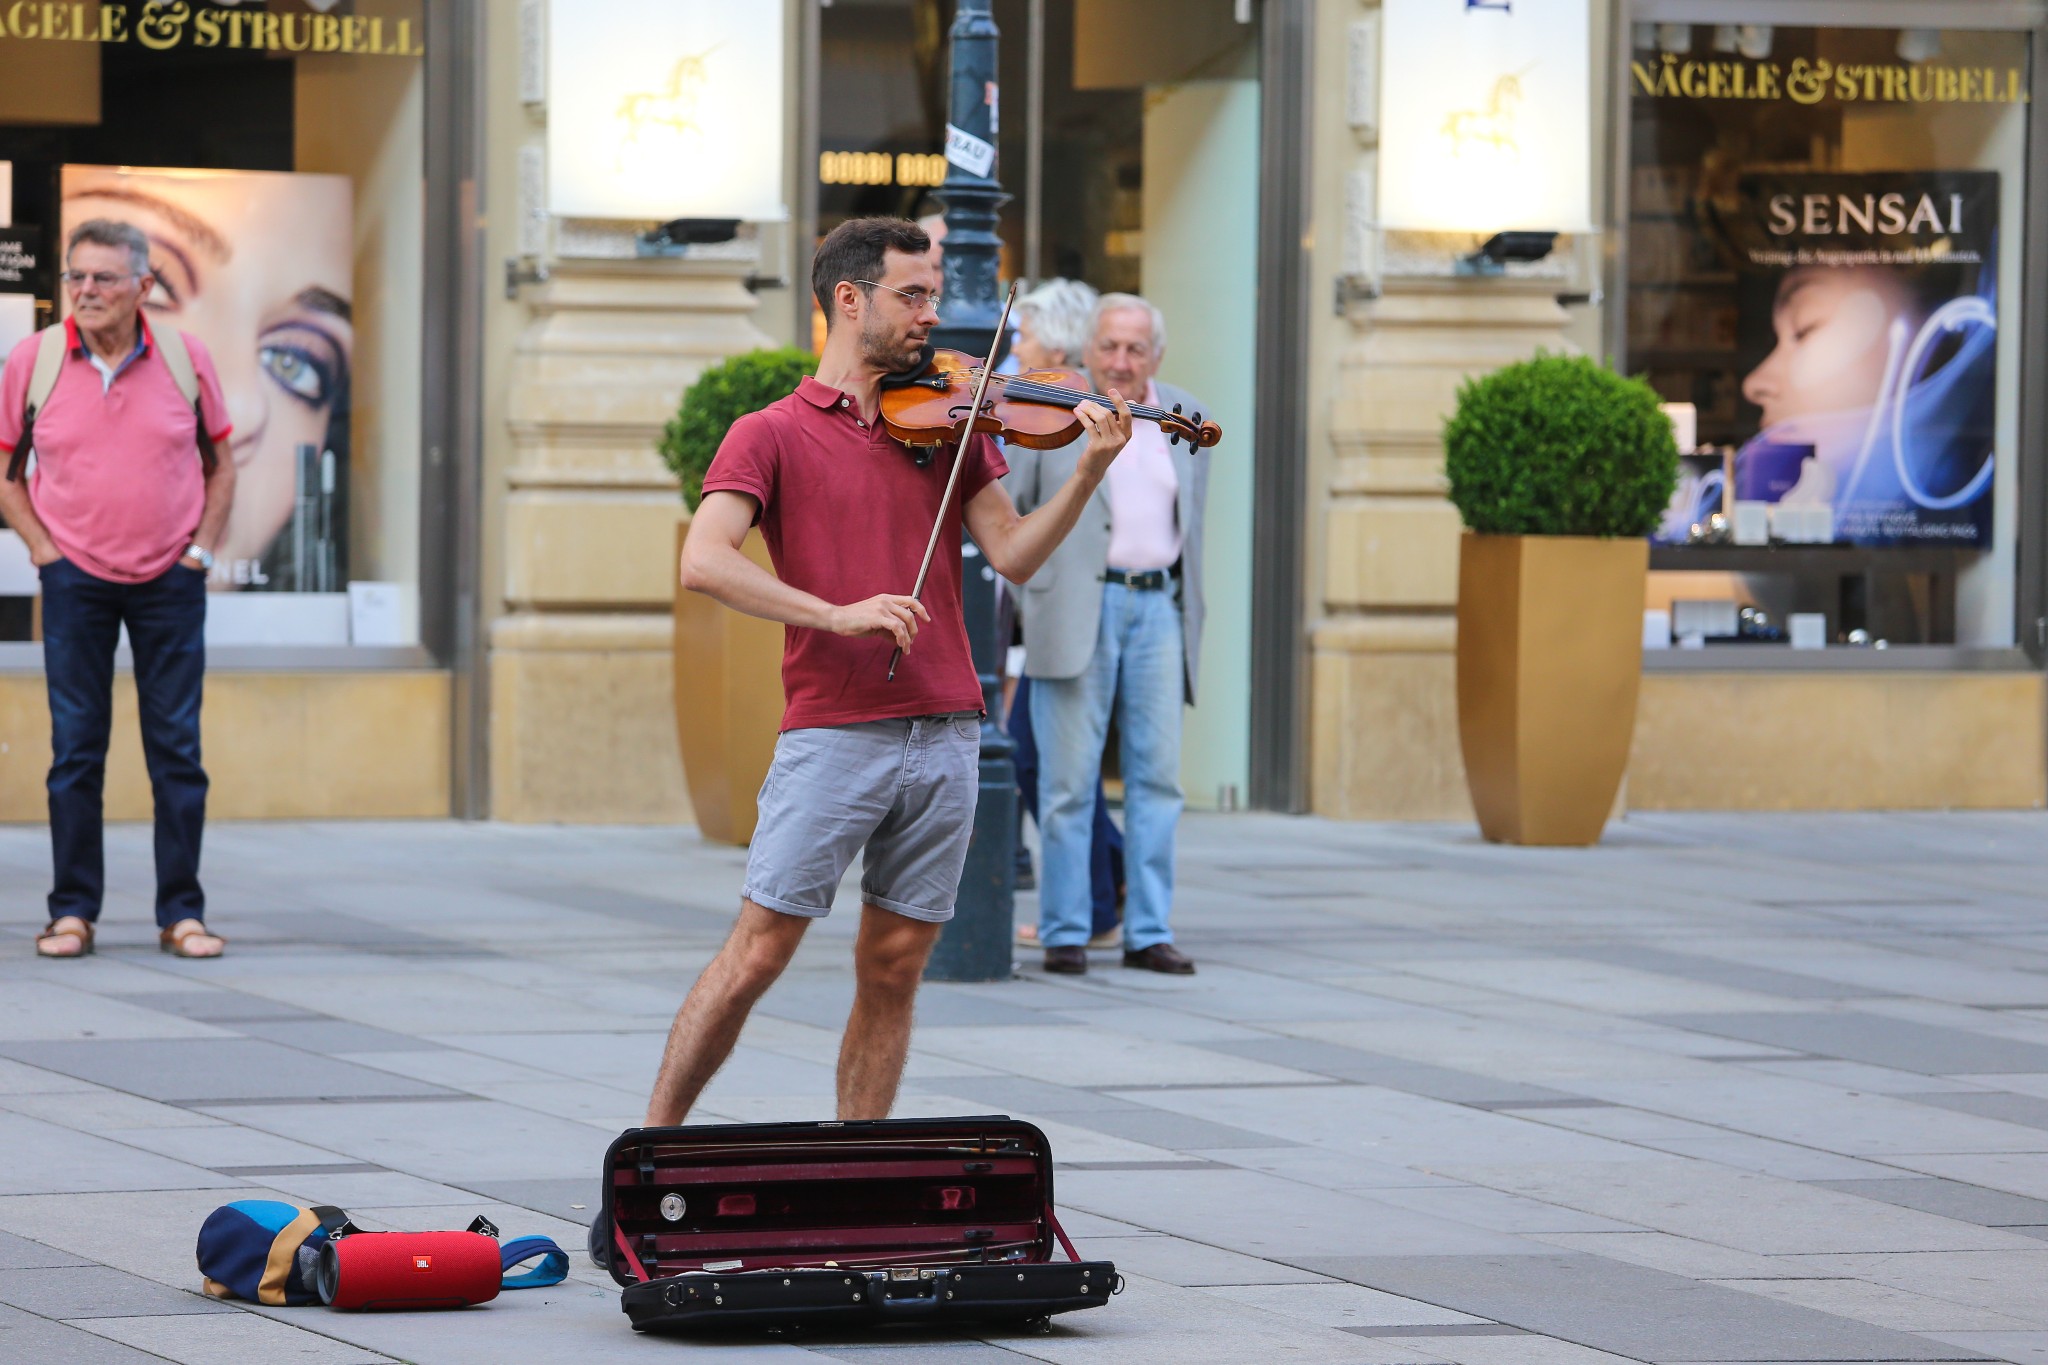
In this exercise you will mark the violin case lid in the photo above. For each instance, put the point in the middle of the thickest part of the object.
(783, 1225)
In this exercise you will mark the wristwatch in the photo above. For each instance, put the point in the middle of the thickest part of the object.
(199, 552)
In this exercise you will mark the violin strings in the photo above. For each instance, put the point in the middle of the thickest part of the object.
(1068, 398)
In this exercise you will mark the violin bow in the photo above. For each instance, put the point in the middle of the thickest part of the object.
(988, 367)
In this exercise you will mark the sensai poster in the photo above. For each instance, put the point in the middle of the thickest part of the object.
(257, 266)
(1867, 332)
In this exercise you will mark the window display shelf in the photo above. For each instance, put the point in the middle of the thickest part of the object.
(1945, 560)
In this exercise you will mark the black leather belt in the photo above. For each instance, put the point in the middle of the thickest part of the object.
(1149, 580)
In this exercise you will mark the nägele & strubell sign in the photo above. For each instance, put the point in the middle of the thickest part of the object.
(161, 27)
(1810, 82)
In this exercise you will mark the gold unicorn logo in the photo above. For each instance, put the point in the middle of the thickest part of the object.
(1493, 126)
(674, 106)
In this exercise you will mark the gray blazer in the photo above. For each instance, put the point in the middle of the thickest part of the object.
(1061, 607)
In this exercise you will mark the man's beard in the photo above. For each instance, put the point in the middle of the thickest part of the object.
(884, 349)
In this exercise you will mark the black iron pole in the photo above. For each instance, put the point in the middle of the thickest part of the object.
(976, 944)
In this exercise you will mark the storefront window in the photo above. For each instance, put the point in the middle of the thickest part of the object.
(272, 153)
(1824, 245)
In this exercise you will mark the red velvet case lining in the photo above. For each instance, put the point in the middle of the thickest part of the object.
(797, 1196)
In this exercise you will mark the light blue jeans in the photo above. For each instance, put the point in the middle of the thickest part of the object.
(1138, 670)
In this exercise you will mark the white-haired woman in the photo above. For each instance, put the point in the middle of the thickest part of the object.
(1054, 324)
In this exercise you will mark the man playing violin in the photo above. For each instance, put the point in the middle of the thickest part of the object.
(889, 768)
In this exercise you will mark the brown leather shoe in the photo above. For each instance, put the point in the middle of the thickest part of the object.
(1068, 961)
(1161, 957)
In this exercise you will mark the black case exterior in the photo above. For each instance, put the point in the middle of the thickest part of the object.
(935, 1220)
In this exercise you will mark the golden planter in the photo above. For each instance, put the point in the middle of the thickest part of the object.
(1549, 662)
(728, 685)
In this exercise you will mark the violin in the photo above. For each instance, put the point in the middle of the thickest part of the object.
(928, 407)
(947, 398)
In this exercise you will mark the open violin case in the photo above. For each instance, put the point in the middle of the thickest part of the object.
(787, 1225)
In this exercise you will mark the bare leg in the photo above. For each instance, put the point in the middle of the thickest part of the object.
(888, 960)
(709, 1023)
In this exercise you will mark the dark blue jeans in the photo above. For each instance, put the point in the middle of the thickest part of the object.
(1105, 850)
(166, 620)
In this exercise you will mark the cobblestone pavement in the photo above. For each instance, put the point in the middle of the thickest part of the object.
(1761, 1088)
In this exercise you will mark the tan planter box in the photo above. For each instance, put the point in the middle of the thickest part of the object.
(1549, 661)
(728, 703)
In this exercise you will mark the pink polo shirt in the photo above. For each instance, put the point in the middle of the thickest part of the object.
(1144, 500)
(117, 481)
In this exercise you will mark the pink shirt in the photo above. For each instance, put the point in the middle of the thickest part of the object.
(117, 479)
(1144, 500)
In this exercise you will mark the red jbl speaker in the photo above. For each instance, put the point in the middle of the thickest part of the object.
(384, 1270)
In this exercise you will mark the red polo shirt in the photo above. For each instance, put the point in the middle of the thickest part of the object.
(846, 513)
(117, 482)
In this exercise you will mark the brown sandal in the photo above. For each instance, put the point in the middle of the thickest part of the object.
(174, 939)
(52, 933)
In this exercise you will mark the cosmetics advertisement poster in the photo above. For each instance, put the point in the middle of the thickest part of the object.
(1867, 333)
(257, 266)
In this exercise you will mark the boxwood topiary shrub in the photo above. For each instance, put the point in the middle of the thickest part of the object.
(721, 396)
(1560, 446)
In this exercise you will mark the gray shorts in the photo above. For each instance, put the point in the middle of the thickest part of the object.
(903, 789)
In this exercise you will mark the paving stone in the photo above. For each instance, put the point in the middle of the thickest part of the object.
(1271, 1218)
(1881, 1305)
(2023, 1348)
(95, 1291)
(1021, 1095)
(558, 1197)
(220, 1006)
(332, 1036)
(1740, 975)
(1627, 1310)
(950, 1352)
(2005, 1282)
(18, 1253)
(441, 1140)
(1179, 1132)
(1341, 1304)
(46, 1010)
(2030, 1110)
(1349, 1064)
(1076, 1055)
(44, 1157)
(1737, 1208)
(230, 1339)
(1862, 1037)
(1950, 1199)
(25, 1337)
(1176, 1260)
(224, 1068)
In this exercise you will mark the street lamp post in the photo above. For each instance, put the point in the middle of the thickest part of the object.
(976, 944)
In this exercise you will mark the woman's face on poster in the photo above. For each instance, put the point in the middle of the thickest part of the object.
(1832, 328)
(257, 266)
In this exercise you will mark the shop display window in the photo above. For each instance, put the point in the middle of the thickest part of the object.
(1824, 246)
(272, 152)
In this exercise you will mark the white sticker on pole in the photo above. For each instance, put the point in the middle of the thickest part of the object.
(969, 152)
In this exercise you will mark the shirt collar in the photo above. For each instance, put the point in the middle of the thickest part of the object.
(142, 340)
(818, 395)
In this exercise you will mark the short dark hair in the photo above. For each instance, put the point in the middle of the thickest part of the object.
(855, 250)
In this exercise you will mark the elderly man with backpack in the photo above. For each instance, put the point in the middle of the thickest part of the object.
(127, 494)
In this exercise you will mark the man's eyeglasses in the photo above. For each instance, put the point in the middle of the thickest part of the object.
(920, 299)
(105, 279)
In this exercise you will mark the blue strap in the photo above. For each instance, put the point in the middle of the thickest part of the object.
(553, 1267)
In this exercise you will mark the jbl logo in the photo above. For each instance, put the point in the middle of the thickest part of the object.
(422, 1263)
